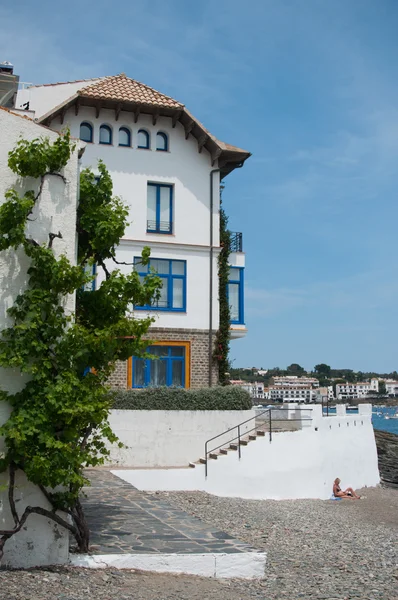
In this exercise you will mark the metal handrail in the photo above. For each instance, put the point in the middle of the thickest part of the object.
(236, 241)
(238, 428)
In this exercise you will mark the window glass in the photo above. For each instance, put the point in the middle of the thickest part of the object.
(163, 300)
(177, 351)
(105, 135)
(178, 267)
(178, 293)
(139, 372)
(159, 350)
(158, 372)
(143, 139)
(234, 301)
(162, 267)
(165, 205)
(124, 137)
(233, 274)
(151, 204)
(86, 132)
(177, 373)
(161, 141)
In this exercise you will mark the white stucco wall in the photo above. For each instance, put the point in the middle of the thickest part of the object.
(41, 543)
(189, 173)
(301, 464)
(170, 438)
(43, 98)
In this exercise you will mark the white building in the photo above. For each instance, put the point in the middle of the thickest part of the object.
(345, 391)
(255, 388)
(167, 167)
(391, 387)
(291, 394)
(295, 382)
(324, 394)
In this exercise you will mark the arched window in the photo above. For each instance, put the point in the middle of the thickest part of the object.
(124, 137)
(162, 141)
(143, 139)
(105, 135)
(86, 132)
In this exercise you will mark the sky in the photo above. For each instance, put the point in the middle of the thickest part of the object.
(310, 88)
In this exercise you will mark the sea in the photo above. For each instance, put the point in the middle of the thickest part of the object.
(384, 418)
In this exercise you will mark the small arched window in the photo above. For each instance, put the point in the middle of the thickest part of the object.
(143, 139)
(105, 135)
(124, 137)
(162, 141)
(86, 132)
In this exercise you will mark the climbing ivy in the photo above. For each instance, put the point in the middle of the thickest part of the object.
(59, 420)
(221, 351)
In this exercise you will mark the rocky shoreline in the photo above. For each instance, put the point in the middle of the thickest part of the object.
(387, 451)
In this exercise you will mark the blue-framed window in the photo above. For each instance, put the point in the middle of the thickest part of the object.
(86, 132)
(159, 208)
(105, 136)
(124, 136)
(167, 369)
(173, 274)
(143, 139)
(235, 295)
(91, 286)
(162, 141)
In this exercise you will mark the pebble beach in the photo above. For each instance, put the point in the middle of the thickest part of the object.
(316, 549)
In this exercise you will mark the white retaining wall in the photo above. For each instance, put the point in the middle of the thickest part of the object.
(300, 464)
(170, 438)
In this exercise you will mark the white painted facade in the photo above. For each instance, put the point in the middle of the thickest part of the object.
(42, 542)
(299, 464)
(295, 382)
(189, 172)
(292, 394)
(345, 391)
(169, 438)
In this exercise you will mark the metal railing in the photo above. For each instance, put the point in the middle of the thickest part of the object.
(236, 241)
(240, 434)
(159, 226)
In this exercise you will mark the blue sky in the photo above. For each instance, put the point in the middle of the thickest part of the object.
(310, 88)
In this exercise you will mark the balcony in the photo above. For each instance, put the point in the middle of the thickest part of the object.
(236, 241)
(159, 227)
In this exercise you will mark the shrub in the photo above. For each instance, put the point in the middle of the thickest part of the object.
(166, 398)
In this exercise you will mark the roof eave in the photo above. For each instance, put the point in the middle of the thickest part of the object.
(228, 158)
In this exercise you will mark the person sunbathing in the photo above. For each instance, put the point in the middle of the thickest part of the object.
(348, 493)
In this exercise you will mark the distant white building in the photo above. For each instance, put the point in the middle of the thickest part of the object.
(391, 387)
(255, 388)
(324, 394)
(345, 391)
(295, 382)
(291, 394)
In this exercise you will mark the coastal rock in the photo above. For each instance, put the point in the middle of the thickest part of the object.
(387, 451)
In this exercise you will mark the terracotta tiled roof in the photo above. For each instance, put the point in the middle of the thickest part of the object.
(122, 88)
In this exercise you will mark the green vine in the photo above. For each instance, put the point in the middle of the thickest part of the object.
(59, 421)
(221, 351)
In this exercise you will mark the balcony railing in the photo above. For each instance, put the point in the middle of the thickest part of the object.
(236, 241)
(159, 227)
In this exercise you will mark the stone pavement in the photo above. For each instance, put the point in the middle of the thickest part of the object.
(123, 519)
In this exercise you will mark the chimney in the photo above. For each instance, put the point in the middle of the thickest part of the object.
(8, 85)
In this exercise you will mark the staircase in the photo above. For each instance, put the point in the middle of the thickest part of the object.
(244, 435)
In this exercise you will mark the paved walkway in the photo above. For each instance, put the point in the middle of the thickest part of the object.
(124, 520)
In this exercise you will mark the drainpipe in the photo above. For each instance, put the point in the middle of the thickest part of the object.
(212, 172)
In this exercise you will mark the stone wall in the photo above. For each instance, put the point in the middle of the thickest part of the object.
(199, 367)
(387, 451)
